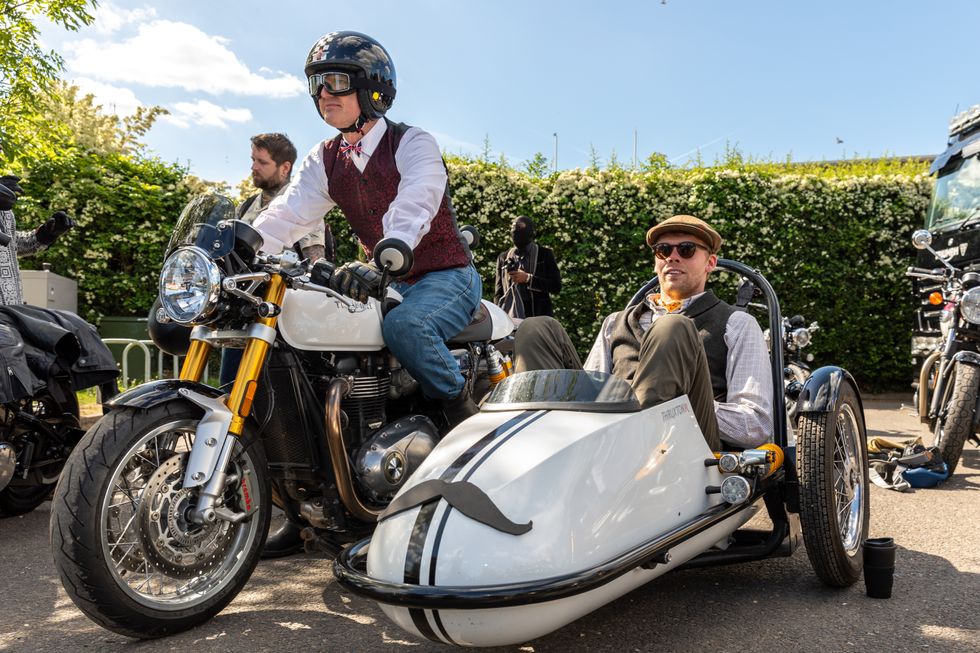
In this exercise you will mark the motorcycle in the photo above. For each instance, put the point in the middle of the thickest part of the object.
(48, 355)
(949, 380)
(163, 510)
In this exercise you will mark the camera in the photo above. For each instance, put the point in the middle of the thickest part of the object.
(512, 264)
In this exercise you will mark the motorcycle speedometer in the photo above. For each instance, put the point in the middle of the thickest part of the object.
(190, 284)
(970, 306)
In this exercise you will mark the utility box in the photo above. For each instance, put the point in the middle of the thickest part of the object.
(49, 290)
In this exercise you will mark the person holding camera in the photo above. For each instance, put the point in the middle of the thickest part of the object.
(526, 275)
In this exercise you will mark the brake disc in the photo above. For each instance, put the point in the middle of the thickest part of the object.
(171, 542)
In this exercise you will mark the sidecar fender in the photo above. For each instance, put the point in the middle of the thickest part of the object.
(821, 391)
(153, 393)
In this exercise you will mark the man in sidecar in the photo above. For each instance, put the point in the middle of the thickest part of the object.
(682, 340)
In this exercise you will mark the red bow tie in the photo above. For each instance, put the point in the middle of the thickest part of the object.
(349, 150)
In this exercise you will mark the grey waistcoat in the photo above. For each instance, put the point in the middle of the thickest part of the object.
(710, 316)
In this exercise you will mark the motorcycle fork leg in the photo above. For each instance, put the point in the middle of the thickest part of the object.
(239, 402)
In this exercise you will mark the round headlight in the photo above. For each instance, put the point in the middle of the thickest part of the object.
(970, 306)
(190, 284)
(801, 338)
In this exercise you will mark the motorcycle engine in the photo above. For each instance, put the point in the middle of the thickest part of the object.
(392, 453)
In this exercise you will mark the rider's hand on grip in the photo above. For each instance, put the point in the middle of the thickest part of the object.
(321, 272)
(356, 280)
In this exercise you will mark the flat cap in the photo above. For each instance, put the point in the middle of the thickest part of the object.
(686, 224)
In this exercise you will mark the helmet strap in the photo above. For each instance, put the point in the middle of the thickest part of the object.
(356, 127)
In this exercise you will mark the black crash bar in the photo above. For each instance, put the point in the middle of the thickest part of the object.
(351, 561)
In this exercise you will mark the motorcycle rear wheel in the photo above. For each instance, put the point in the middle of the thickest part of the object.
(127, 555)
(21, 499)
(952, 431)
(834, 498)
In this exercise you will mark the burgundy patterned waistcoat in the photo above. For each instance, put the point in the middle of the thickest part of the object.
(364, 198)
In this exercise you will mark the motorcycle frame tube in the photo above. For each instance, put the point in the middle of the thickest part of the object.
(924, 396)
(338, 454)
(945, 366)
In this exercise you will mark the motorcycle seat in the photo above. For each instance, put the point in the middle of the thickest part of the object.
(479, 328)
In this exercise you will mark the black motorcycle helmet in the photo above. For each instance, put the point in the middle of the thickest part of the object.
(170, 337)
(369, 64)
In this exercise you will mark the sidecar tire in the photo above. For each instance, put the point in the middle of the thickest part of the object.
(833, 458)
(951, 434)
(76, 533)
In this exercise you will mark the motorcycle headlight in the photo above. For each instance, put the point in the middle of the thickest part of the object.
(801, 338)
(190, 283)
(970, 306)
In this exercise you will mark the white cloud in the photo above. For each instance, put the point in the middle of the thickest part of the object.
(113, 99)
(176, 55)
(111, 18)
(204, 113)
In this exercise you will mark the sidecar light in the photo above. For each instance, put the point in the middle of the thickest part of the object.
(735, 490)
(190, 284)
(970, 306)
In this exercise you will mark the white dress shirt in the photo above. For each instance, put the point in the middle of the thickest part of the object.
(409, 216)
(745, 417)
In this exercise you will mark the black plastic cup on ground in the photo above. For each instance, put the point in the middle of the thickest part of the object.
(879, 567)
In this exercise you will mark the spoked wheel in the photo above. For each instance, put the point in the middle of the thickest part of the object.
(955, 427)
(24, 495)
(834, 499)
(129, 554)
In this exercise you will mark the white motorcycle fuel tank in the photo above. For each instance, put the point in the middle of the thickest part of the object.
(577, 488)
(315, 322)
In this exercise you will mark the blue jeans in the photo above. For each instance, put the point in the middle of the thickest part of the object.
(436, 307)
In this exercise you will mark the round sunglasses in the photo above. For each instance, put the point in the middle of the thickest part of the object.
(684, 250)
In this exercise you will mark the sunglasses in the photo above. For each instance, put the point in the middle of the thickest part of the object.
(685, 249)
(335, 83)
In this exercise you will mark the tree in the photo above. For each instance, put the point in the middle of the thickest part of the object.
(28, 73)
(537, 166)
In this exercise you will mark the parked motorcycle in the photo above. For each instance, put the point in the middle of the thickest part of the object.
(949, 380)
(48, 355)
(165, 507)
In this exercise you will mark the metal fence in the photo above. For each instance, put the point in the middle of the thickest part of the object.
(145, 348)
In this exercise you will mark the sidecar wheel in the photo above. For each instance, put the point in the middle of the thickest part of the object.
(952, 432)
(834, 499)
(127, 555)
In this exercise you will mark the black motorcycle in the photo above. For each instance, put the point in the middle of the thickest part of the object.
(48, 356)
(949, 380)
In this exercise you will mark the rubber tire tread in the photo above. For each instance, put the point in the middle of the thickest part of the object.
(76, 546)
(962, 403)
(818, 513)
(22, 499)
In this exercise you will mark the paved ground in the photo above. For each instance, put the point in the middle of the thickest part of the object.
(294, 605)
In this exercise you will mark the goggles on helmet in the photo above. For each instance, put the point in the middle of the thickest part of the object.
(335, 83)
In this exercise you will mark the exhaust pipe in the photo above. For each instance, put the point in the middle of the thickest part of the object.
(338, 455)
(924, 373)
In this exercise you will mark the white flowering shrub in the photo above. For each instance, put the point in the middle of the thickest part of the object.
(834, 242)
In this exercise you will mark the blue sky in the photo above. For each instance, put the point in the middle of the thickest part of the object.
(774, 79)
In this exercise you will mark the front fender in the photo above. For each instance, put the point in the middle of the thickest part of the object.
(822, 390)
(153, 393)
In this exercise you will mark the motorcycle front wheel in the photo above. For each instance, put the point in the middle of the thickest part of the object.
(127, 554)
(952, 431)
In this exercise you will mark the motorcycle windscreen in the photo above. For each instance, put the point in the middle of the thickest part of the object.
(198, 225)
(579, 390)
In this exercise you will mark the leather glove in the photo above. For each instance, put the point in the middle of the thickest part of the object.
(57, 225)
(11, 182)
(356, 280)
(7, 198)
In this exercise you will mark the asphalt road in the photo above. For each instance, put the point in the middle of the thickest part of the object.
(295, 605)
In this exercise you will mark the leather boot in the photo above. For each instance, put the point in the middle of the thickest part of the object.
(459, 408)
(284, 542)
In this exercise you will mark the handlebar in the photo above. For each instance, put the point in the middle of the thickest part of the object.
(937, 274)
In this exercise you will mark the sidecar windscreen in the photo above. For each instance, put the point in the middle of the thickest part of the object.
(579, 390)
(198, 225)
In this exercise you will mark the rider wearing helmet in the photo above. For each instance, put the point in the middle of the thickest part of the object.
(391, 184)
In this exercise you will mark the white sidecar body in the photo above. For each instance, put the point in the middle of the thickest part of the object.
(560, 496)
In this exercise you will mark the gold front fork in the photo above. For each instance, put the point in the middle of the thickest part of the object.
(246, 381)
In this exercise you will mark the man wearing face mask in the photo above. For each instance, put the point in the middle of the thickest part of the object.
(526, 274)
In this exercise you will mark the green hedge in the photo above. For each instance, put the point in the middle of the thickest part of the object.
(125, 208)
(834, 242)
